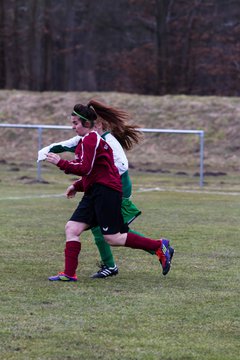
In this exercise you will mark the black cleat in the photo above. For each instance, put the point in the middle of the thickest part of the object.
(105, 271)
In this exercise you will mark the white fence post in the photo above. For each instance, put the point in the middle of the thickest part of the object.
(39, 166)
(201, 135)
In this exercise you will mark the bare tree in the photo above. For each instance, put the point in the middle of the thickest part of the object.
(149, 47)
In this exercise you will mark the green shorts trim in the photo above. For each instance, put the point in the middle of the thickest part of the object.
(129, 211)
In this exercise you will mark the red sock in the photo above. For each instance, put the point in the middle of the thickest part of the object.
(138, 242)
(72, 251)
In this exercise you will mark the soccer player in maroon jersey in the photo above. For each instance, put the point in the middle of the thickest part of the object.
(101, 202)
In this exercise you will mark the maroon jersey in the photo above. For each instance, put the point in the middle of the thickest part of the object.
(94, 162)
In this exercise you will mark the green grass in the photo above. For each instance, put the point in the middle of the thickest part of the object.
(192, 313)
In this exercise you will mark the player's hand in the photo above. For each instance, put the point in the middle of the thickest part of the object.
(70, 192)
(53, 158)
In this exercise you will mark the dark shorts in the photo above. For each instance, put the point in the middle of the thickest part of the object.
(101, 206)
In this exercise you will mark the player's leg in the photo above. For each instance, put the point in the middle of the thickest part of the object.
(72, 249)
(108, 266)
(73, 229)
(134, 241)
(110, 220)
(130, 212)
(103, 247)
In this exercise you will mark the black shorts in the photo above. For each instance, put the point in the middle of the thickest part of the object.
(101, 206)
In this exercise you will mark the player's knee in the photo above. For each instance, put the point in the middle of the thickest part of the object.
(70, 230)
(67, 227)
(109, 239)
(115, 239)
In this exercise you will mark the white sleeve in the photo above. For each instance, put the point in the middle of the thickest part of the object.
(70, 143)
(42, 154)
(120, 159)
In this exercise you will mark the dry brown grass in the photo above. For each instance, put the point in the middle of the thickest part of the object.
(217, 116)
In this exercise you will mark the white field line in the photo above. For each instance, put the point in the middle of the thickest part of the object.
(30, 197)
(141, 190)
(214, 192)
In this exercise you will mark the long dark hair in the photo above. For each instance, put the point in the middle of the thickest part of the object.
(117, 119)
(86, 114)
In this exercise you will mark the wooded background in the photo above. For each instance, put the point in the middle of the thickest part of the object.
(136, 46)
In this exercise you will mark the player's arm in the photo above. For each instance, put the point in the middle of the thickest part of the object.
(62, 146)
(86, 153)
(121, 162)
(119, 156)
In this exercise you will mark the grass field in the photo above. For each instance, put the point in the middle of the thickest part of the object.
(192, 313)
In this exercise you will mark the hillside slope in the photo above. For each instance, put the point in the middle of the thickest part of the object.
(219, 117)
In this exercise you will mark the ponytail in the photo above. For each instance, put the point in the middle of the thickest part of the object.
(117, 119)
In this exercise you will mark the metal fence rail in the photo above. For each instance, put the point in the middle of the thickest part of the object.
(199, 133)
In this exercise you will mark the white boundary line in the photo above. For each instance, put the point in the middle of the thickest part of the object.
(28, 197)
(139, 190)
